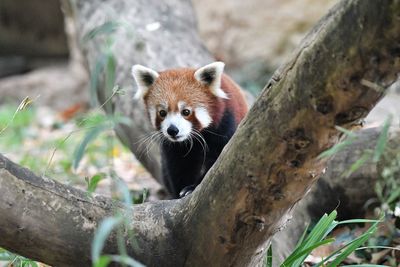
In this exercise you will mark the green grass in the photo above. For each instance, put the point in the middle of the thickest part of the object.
(318, 237)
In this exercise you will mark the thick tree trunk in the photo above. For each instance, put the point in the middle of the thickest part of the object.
(334, 78)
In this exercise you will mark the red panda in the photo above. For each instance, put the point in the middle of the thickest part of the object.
(197, 112)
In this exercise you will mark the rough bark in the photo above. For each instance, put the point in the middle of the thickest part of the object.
(54, 223)
(334, 78)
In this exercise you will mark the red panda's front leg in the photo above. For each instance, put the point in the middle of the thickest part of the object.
(180, 169)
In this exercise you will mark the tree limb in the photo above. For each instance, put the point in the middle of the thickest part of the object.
(55, 223)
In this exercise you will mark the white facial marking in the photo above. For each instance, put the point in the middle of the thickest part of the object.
(181, 105)
(153, 115)
(184, 126)
(202, 116)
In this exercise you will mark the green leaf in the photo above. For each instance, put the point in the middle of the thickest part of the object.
(314, 238)
(268, 257)
(302, 237)
(95, 76)
(110, 80)
(349, 249)
(356, 165)
(394, 195)
(126, 194)
(382, 140)
(358, 221)
(89, 136)
(126, 260)
(106, 28)
(336, 148)
(93, 182)
(365, 265)
(343, 252)
(6, 256)
(101, 235)
(145, 194)
(345, 131)
(305, 252)
(103, 261)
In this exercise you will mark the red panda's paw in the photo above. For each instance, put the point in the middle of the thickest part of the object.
(186, 190)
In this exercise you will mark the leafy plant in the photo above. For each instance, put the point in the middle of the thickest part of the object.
(317, 238)
(16, 260)
(117, 224)
(14, 122)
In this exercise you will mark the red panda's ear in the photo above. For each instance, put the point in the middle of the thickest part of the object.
(211, 75)
(144, 78)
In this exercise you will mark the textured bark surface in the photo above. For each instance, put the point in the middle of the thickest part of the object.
(334, 78)
(54, 223)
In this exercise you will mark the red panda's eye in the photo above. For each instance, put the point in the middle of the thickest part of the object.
(185, 112)
(162, 113)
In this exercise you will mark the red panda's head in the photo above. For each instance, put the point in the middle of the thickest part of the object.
(182, 101)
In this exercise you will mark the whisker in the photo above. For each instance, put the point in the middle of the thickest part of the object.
(191, 145)
(146, 143)
(206, 130)
(202, 142)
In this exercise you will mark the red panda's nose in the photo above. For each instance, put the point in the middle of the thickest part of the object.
(172, 130)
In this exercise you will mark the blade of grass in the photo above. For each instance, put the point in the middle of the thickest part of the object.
(345, 131)
(103, 261)
(349, 247)
(302, 237)
(89, 136)
(305, 252)
(319, 232)
(106, 28)
(382, 139)
(93, 182)
(393, 196)
(102, 233)
(336, 148)
(358, 221)
(126, 260)
(268, 257)
(356, 165)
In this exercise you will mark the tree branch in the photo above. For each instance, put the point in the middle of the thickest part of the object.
(55, 223)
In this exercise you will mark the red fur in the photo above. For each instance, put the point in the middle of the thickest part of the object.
(177, 85)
